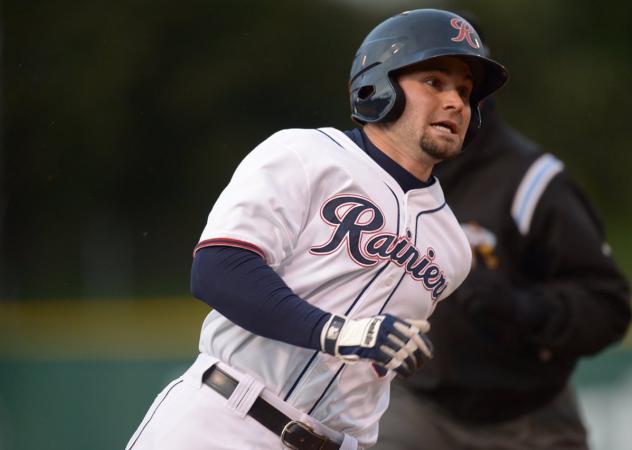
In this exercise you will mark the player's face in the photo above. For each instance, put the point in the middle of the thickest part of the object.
(437, 112)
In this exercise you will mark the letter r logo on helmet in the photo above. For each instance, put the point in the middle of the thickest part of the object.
(465, 32)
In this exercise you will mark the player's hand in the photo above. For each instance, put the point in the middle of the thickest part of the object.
(385, 340)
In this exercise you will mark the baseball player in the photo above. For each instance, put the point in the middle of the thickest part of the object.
(327, 251)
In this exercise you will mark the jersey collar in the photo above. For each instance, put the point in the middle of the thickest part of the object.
(406, 180)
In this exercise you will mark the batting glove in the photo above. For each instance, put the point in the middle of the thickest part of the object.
(385, 340)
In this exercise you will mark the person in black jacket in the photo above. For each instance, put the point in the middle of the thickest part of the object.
(543, 292)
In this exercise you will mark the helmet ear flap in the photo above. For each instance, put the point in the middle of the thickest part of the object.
(399, 101)
(381, 101)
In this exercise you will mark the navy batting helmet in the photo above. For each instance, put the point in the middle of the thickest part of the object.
(409, 38)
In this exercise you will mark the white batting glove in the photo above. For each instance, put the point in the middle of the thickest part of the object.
(385, 340)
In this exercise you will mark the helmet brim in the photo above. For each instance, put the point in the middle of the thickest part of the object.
(487, 75)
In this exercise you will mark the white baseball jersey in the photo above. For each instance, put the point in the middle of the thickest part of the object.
(343, 235)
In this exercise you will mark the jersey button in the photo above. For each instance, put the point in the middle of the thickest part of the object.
(390, 281)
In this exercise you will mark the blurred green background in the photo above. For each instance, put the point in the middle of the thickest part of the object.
(122, 121)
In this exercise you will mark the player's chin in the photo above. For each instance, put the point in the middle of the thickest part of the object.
(443, 147)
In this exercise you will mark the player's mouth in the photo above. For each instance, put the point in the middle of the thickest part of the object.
(445, 126)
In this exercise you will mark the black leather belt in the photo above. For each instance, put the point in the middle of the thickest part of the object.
(295, 435)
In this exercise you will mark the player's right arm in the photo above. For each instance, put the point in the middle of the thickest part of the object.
(238, 284)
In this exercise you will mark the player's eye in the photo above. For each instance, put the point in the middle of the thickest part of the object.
(432, 81)
(465, 92)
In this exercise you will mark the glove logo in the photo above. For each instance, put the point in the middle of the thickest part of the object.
(353, 217)
(371, 334)
(466, 32)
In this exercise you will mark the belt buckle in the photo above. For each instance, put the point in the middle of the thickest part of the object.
(285, 430)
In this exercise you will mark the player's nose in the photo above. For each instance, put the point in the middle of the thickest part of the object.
(452, 99)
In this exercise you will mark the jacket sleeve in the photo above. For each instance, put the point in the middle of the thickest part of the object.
(578, 283)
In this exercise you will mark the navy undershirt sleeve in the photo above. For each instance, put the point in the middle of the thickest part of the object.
(238, 284)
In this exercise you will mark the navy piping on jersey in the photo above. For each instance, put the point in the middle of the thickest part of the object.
(337, 143)
(365, 288)
(397, 203)
(388, 299)
(428, 211)
(300, 376)
(342, 366)
(311, 360)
